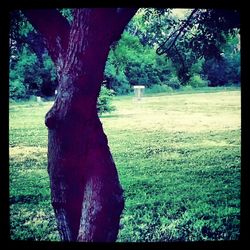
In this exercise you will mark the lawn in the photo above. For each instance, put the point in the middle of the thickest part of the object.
(178, 157)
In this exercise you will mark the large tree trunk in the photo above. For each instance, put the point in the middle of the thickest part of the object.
(86, 194)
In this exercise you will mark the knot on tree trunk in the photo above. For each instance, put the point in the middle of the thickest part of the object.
(51, 120)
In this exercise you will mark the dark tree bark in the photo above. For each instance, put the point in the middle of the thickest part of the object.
(86, 194)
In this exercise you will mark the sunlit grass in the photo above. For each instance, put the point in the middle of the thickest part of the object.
(178, 158)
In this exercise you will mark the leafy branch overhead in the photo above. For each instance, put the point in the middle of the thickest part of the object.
(203, 32)
(200, 29)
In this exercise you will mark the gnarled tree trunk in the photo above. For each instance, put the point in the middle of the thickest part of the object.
(86, 194)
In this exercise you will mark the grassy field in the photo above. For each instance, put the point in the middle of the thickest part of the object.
(178, 158)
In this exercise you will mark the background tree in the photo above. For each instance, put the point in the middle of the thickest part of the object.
(31, 69)
(225, 69)
(86, 194)
(202, 34)
(131, 63)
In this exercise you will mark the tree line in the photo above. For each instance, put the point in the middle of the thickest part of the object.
(133, 59)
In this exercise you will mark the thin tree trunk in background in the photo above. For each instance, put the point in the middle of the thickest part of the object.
(86, 194)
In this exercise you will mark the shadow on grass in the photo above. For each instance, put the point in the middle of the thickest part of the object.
(109, 116)
(31, 199)
(116, 116)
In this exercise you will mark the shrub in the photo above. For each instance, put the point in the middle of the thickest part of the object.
(187, 88)
(174, 82)
(104, 101)
(17, 89)
(196, 81)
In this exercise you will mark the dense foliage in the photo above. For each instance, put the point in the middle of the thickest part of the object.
(32, 71)
(130, 63)
(201, 56)
(226, 69)
(205, 53)
(29, 76)
(203, 34)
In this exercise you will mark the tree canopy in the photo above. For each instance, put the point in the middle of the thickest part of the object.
(202, 34)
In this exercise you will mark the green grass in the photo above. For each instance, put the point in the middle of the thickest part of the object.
(178, 158)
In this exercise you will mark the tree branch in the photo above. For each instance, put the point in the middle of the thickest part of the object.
(93, 31)
(35, 42)
(53, 27)
(161, 50)
(123, 16)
